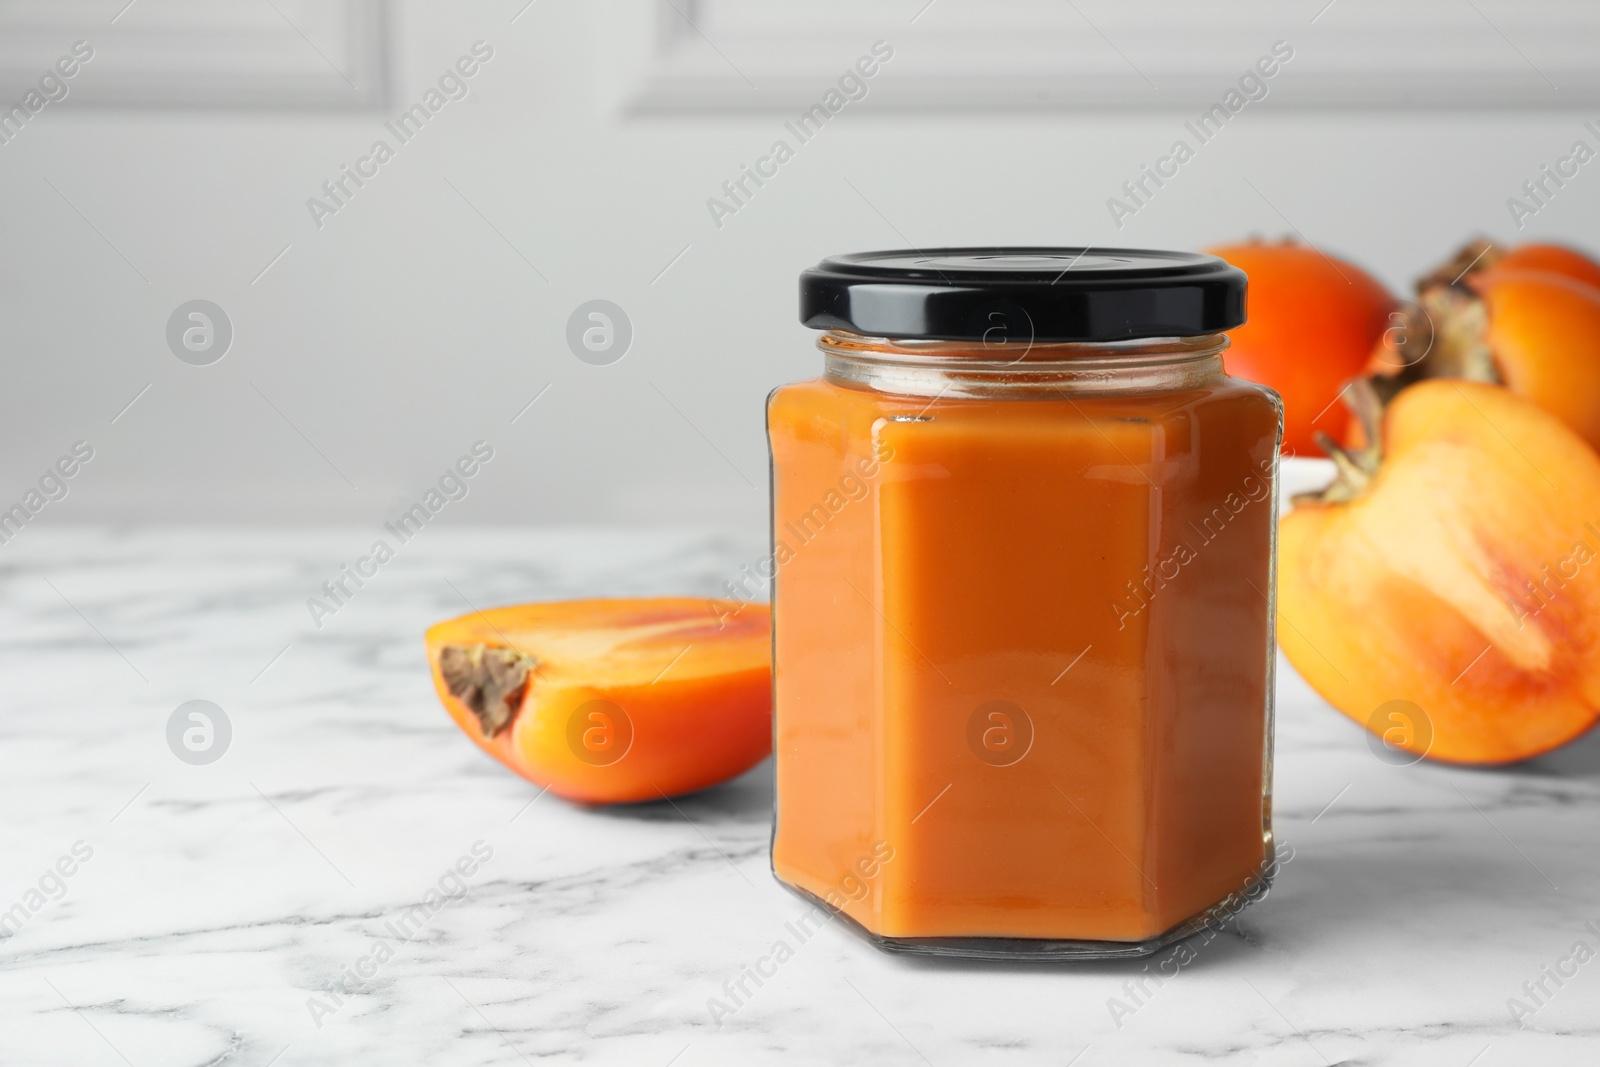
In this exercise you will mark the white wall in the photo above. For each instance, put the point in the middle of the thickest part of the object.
(406, 328)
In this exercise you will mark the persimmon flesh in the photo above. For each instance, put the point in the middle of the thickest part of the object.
(1460, 573)
(604, 701)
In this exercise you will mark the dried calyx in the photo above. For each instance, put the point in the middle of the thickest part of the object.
(489, 681)
(1356, 466)
(1444, 332)
(1474, 257)
(1441, 334)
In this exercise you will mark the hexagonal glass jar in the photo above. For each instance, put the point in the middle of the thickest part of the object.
(1023, 628)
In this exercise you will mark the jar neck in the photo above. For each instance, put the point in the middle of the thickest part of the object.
(972, 369)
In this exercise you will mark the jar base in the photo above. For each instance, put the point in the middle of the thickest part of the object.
(1052, 950)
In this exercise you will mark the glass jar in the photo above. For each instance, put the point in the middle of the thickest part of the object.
(1023, 611)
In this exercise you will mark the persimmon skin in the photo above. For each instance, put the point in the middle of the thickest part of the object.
(1544, 331)
(1552, 259)
(1313, 322)
(705, 719)
(1419, 589)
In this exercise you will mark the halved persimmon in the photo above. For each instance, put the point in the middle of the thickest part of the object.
(604, 701)
(1454, 570)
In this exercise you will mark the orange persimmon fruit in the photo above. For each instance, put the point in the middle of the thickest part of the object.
(1544, 334)
(1313, 322)
(1457, 569)
(1482, 257)
(1528, 320)
(604, 701)
(1553, 259)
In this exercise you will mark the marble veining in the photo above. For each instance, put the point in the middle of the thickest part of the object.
(224, 909)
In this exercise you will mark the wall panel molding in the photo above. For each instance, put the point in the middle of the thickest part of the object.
(951, 55)
(305, 54)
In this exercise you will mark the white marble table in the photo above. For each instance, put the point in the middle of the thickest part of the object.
(221, 901)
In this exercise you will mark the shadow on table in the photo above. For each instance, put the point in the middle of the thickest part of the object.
(745, 799)
(1578, 759)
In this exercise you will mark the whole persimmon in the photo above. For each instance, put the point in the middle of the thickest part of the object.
(1483, 257)
(1543, 331)
(1313, 322)
(603, 701)
(1554, 259)
(1514, 320)
(1457, 573)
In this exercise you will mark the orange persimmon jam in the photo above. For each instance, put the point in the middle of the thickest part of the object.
(1023, 625)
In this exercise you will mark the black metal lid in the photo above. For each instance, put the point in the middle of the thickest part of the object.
(1022, 295)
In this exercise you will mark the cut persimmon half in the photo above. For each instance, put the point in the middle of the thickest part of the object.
(604, 701)
(1453, 571)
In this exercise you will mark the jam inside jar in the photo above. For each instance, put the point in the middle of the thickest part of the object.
(1023, 609)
